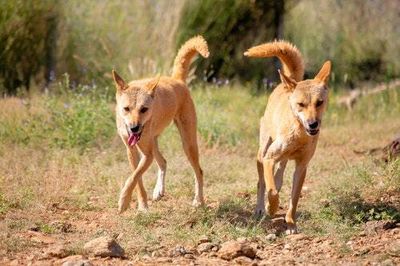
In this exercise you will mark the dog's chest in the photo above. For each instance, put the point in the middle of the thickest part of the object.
(296, 146)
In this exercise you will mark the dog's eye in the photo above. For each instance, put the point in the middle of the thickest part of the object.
(144, 110)
(301, 105)
(319, 103)
(126, 109)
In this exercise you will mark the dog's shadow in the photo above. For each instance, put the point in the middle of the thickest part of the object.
(241, 213)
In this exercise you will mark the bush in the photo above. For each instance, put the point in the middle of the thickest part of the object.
(79, 118)
(230, 27)
(27, 31)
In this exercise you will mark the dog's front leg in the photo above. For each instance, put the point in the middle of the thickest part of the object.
(272, 156)
(298, 180)
(126, 193)
(134, 158)
(273, 196)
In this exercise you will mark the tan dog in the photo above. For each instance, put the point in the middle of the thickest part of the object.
(290, 126)
(144, 109)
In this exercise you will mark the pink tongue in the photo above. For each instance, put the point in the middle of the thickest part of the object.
(133, 139)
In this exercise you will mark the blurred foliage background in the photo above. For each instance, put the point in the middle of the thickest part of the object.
(42, 40)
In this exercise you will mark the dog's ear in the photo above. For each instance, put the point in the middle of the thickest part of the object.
(119, 82)
(323, 74)
(152, 85)
(289, 83)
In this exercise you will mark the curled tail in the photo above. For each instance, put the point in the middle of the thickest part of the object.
(186, 53)
(290, 56)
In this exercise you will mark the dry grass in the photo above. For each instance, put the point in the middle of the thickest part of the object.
(70, 194)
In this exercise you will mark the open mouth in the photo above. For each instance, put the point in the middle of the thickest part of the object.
(312, 132)
(133, 138)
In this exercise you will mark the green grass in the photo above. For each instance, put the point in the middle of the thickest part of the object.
(68, 164)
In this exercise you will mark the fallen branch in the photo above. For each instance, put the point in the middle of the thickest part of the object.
(388, 153)
(353, 96)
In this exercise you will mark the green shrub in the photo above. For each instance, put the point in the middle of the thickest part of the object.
(78, 118)
(27, 31)
(230, 27)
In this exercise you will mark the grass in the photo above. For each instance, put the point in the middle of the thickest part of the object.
(63, 164)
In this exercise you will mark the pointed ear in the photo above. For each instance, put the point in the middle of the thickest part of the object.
(119, 82)
(151, 86)
(323, 74)
(287, 81)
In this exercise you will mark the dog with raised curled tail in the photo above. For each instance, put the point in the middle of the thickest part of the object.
(144, 109)
(290, 126)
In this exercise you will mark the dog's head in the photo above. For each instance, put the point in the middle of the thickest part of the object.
(309, 98)
(134, 105)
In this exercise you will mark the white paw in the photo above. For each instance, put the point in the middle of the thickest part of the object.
(198, 203)
(157, 194)
(143, 209)
(292, 229)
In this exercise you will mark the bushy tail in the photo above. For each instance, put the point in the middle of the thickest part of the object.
(186, 53)
(290, 56)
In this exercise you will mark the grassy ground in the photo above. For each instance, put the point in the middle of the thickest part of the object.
(62, 166)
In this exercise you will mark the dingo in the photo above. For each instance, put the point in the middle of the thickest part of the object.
(144, 109)
(290, 126)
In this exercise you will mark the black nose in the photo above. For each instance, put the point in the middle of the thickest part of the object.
(136, 128)
(313, 125)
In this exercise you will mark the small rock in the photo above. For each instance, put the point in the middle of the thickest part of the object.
(189, 256)
(287, 246)
(146, 257)
(75, 260)
(233, 249)
(104, 247)
(394, 249)
(212, 254)
(363, 251)
(155, 254)
(362, 233)
(204, 239)
(373, 227)
(78, 263)
(177, 251)
(215, 248)
(205, 247)
(387, 262)
(57, 251)
(243, 261)
(271, 237)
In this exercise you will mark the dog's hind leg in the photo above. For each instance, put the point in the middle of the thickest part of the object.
(260, 206)
(186, 124)
(130, 184)
(298, 180)
(159, 188)
(134, 157)
(279, 174)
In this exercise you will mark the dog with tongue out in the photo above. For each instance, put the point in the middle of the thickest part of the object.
(144, 109)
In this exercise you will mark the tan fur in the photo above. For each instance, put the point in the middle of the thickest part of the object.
(293, 65)
(186, 53)
(285, 131)
(149, 106)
